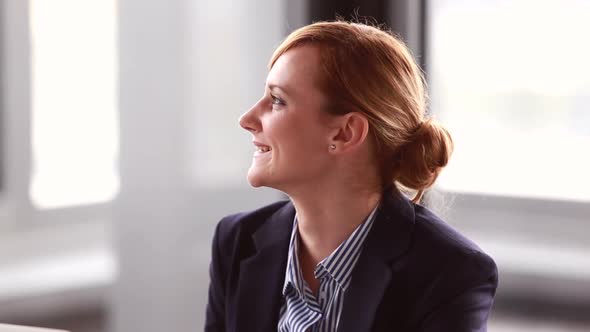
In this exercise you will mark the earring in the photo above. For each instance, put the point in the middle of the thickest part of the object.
(332, 146)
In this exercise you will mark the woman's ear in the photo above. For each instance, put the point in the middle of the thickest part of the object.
(350, 132)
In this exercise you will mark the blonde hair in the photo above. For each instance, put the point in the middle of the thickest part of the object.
(368, 70)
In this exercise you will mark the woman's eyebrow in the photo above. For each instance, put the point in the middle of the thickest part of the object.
(278, 87)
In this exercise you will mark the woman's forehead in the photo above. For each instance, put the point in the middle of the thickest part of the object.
(296, 70)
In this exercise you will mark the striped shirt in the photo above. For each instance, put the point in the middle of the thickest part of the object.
(302, 311)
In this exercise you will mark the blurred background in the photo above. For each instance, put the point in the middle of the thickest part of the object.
(120, 148)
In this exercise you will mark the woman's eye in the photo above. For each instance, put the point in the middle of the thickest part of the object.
(276, 101)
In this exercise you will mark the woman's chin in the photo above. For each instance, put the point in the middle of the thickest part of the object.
(255, 184)
(255, 179)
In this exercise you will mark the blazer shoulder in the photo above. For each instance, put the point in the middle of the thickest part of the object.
(445, 264)
(447, 278)
(247, 222)
(441, 241)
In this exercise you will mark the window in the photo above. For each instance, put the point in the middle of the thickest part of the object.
(509, 80)
(74, 113)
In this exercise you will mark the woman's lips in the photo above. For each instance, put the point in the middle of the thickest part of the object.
(261, 149)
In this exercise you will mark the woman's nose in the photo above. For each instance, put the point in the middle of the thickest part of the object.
(249, 120)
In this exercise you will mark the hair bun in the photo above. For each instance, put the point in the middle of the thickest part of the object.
(420, 160)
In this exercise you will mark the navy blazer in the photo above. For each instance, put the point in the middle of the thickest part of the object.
(415, 273)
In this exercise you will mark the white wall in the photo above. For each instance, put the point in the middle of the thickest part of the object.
(188, 69)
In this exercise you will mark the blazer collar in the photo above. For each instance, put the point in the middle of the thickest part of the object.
(277, 230)
(262, 275)
(389, 238)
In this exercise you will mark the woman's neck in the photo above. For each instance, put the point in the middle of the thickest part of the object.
(325, 219)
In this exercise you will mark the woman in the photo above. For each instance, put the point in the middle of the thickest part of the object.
(341, 129)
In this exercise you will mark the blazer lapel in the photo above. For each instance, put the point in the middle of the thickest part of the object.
(388, 239)
(262, 276)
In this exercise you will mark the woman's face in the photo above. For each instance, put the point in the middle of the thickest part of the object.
(290, 132)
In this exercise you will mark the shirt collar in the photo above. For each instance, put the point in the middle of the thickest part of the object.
(293, 277)
(337, 266)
